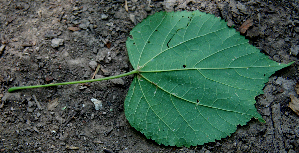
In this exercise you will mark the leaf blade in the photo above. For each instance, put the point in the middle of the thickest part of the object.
(197, 82)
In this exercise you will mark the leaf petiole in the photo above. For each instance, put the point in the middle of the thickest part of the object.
(12, 89)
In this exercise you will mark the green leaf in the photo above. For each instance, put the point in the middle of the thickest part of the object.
(197, 78)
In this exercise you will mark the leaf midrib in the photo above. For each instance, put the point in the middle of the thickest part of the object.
(217, 68)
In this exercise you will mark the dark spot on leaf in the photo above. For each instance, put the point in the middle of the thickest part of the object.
(197, 100)
(184, 66)
(264, 74)
(156, 30)
(133, 43)
(148, 42)
(171, 38)
(182, 16)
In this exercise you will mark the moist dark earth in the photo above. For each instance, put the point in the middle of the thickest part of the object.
(52, 41)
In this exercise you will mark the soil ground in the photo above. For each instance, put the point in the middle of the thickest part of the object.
(58, 40)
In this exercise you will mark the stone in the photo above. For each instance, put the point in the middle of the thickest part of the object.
(295, 50)
(84, 25)
(104, 16)
(148, 9)
(132, 18)
(97, 103)
(2, 49)
(93, 65)
(56, 42)
(11, 97)
(103, 55)
(118, 81)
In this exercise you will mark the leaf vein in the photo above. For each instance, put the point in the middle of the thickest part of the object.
(154, 110)
(149, 38)
(179, 44)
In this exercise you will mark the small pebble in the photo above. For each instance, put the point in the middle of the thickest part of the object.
(93, 65)
(295, 50)
(38, 114)
(95, 50)
(75, 8)
(49, 78)
(2, 49)
(118, 81)
(50, 34)
(132, 18)
(84, 25)
(97, 103)
(148, 9)
(73, 28)
(11, 97)
(104, 16)
(56, 42)
(31, 104)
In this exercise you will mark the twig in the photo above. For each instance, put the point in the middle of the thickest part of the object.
(126, 6)
(97, 70)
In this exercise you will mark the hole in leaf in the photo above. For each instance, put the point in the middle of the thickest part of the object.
(184, 66)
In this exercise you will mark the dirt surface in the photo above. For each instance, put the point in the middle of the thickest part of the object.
(64, 40)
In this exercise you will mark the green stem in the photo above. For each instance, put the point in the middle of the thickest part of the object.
(12, 89)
